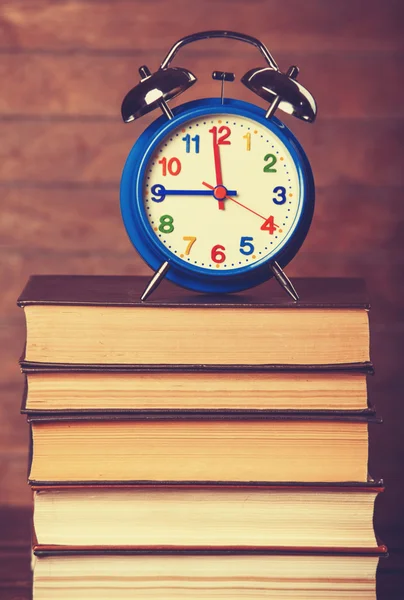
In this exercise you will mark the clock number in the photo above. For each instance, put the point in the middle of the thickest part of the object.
(247, 137)
(187, 139)
(272, 160)
(166, 224)
(280, 191)
(173, 166)
(269, 226)
(191, 239)
(246, 246)
(222, 140)
(159, 192)
(217, 254)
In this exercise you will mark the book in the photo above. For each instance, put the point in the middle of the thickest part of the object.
(85, 448)
(51, 389)
(100, 320)
(334, 516)
(206, 576)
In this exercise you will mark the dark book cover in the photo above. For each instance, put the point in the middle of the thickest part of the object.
(180, 415)
(29, 367)
(371, 485)
(111, 290)
(375, 486)
(38, 367)
(48, 550)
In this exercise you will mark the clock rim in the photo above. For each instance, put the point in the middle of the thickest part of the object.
(155, 253)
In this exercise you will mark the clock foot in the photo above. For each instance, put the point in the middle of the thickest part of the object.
(155, 280)
(283, 280)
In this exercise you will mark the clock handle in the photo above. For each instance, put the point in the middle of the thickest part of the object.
(279, 89)
(233, 35)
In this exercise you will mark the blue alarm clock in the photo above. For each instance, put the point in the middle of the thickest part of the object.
(217, 195)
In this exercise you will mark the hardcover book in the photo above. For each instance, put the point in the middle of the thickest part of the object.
(100, 320)
(84, 448)
(210, 516)
(238, 575)
(109, 389)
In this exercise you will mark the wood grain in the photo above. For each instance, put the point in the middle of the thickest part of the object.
(13, 429)
(12, 340)
(123, 24)
(65, 66)
(80, 220)
(15, 527)
(18, 265)
(13, 475)
(385, 287)
(87, 153)
(93, 86)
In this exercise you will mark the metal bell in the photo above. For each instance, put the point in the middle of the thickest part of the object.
(154, 90)
(281, 90)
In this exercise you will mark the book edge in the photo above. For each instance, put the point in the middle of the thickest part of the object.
(49, 550)
(292, 415)
(38, 367)
(376, 486)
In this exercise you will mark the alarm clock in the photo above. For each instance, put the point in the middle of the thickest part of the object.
(217, 195)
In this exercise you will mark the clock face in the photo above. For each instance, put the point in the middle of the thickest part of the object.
(221, 192)
(217, 193)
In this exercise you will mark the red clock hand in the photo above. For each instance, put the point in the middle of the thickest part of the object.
(218, 169)
(211, 187)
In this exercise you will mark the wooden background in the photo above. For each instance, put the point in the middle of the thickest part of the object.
(65, 66)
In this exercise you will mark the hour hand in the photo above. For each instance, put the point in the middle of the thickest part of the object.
(159, 192)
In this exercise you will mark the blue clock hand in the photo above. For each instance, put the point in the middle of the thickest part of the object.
(159, 192)
(196, 193)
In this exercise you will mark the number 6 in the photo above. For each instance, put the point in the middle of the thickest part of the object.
(217, 254)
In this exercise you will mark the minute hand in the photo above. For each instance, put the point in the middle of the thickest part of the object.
(196, 192)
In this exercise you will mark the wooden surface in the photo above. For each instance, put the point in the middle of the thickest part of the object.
(65, 66)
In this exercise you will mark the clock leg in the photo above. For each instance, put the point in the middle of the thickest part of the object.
(283, 280)
(155, 280)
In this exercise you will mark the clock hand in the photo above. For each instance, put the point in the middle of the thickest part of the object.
(211, 187)
(159, 192)
(218, 169)
(196, 192)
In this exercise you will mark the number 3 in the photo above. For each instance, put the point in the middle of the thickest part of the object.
(280, 191)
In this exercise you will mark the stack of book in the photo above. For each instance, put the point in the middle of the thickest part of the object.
(199, 446)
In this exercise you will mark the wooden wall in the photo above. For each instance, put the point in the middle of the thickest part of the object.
(65, 66)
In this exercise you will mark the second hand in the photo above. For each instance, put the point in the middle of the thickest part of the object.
(211, 187)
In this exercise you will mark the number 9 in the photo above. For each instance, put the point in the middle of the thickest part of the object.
(159, 192)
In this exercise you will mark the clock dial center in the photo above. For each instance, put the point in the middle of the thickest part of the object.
(220, 192)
